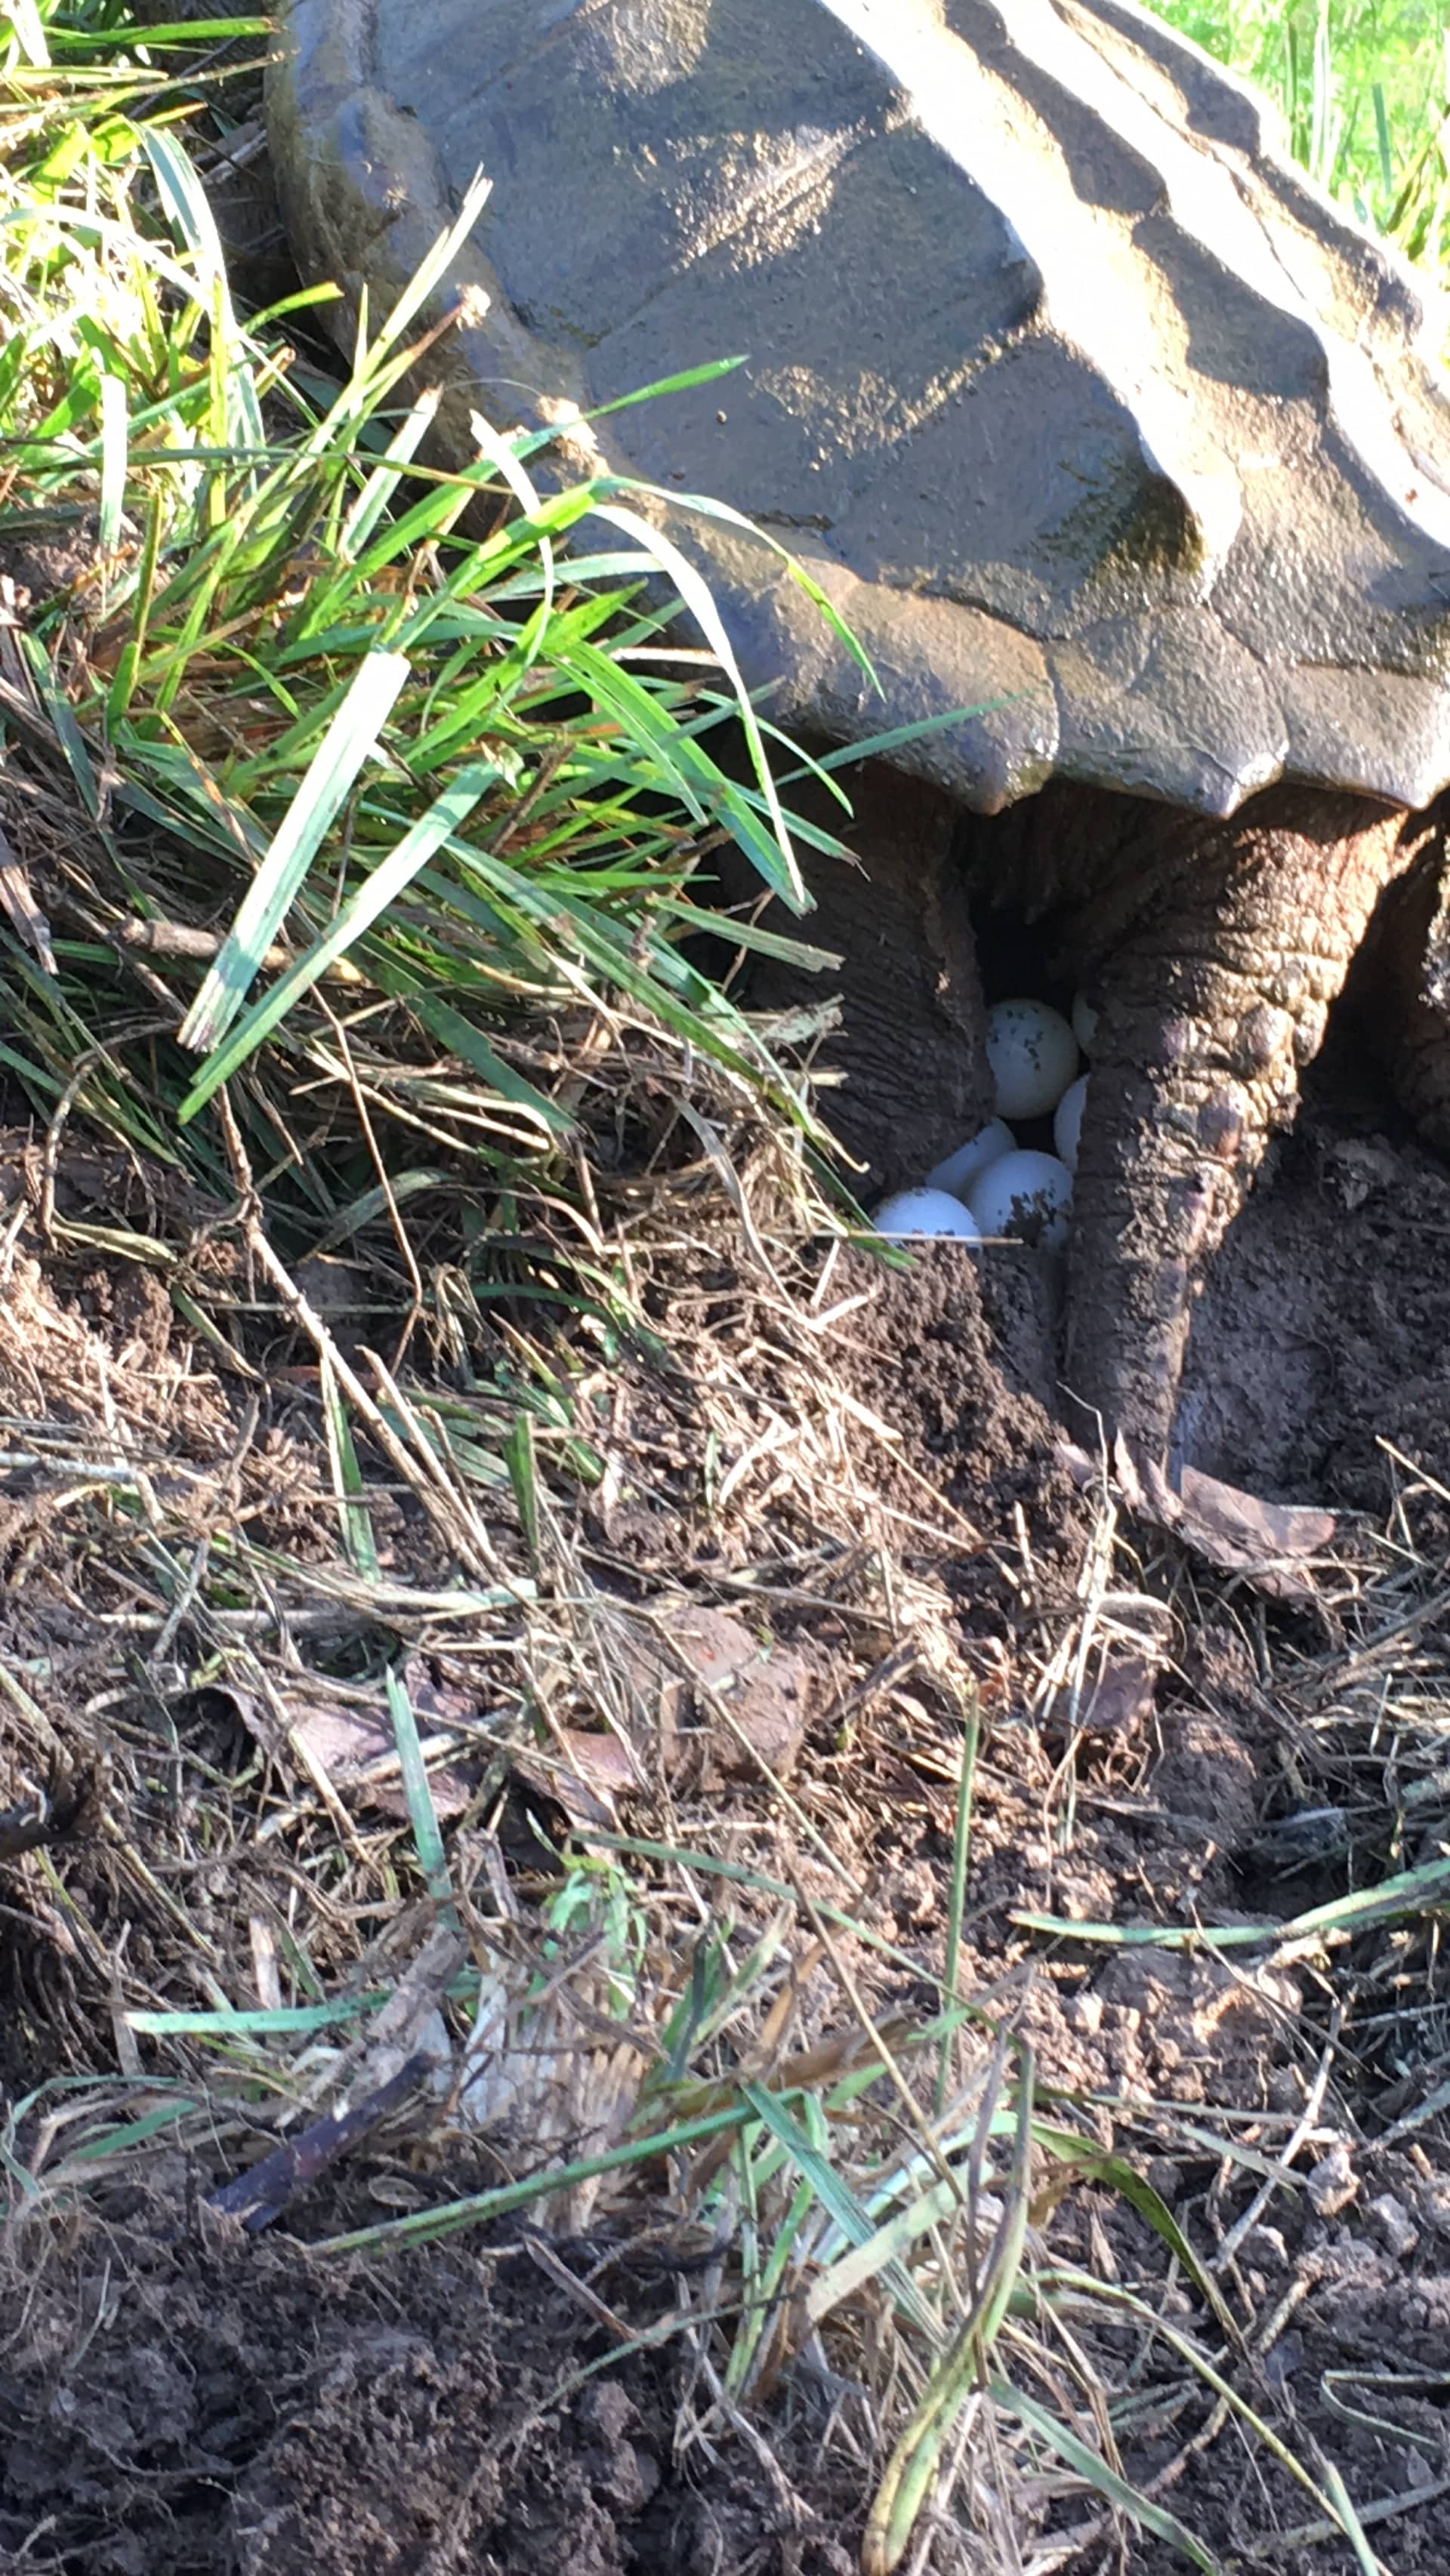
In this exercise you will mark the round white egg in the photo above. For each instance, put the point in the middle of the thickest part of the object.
(960, 1169)
(1033, 1056)
(1084, 1023)
(1067, 1123)
(1025, 1194)
(918, 1212)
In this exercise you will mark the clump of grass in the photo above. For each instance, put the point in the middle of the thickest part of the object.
(458, 795)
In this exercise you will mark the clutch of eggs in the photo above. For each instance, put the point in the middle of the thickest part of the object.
(990, 1185)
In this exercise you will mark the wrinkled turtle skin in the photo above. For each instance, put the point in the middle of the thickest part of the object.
(1088, 412)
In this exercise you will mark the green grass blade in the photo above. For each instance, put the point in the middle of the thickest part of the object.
(377, 493)
(1412, 1891)
(277, 2020)
(67, 732)
(523, 1471)
(422, 2226)
(112, 395)
(1354, 2530)
(350, 741)
(381, 888)
(347, 1481)
(836, 2196)
(418, 1790)
(1114, 2173)
(915, 2459)
(237, 419)
(957, 1891)
(1094, 2471)
(697, 596)
(121, 2140)
(882, 2250)
(190, 32)
(1096, 2292)
(361, 1546)
(708, 374)
(1382, 140)
(427, 278)
(462, 1039)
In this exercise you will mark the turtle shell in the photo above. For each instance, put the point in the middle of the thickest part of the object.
(1122, 451)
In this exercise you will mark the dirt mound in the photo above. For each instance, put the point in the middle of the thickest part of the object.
(865, 1472)
(1325, 1326)
(180, 2402)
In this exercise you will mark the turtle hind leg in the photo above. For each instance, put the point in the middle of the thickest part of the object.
(1215, 993)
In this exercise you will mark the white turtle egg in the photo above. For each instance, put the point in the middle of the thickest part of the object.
(1025, 1194)
(915, 1212)
(960, 1169)
(1033, 1056)
(1084, 1023)
(1067, 1124)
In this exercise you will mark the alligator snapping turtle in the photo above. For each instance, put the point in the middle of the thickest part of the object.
(1085, 408)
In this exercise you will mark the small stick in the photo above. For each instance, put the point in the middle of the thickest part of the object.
(261, 2194)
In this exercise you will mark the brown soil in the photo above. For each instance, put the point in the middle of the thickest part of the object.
(180, 2400)
(177, 2396)
(1325, 1329)
(177, 2401)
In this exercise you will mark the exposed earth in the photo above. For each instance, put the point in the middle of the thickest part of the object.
(181, 2396)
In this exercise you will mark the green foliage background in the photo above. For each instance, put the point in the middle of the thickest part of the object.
(1363, 87)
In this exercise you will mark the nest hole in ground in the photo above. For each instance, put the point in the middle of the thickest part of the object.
(1316, 1364)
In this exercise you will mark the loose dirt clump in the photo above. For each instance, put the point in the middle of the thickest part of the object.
(957, 1361)
(178, 2399)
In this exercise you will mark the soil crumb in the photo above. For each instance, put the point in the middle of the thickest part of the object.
(957, 1356)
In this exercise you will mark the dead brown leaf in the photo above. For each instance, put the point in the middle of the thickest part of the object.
(353, 1748)
(1268, 1543)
